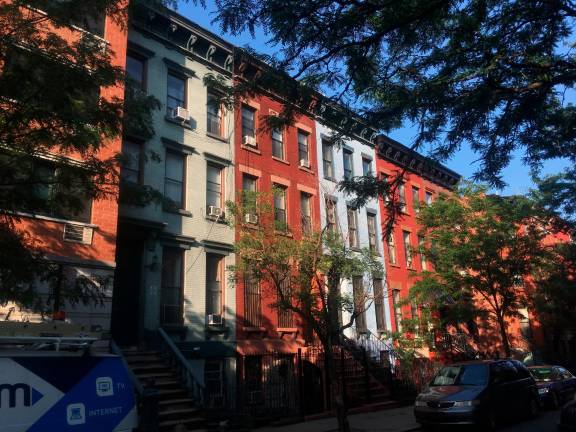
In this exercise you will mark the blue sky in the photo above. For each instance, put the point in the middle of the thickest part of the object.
(516, 174)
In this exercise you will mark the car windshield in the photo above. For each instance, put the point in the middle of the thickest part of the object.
(542, 374)
(473, 374)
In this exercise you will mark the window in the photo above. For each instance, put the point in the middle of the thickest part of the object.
(328, 159)
(248, 125)
(407, 248)
(397, 309)
(416, 199)
(421, 249)
(306, 213)
(249, 194)
(428, 198)
(214, 176)
(171, 295)
(214, 383)
(371, 217)
(348, 171)
(352, 227)
(136, 70)
(132, 164)
(379, 303)
(414, 316)
(280, 207)
(285, 316)
(402, 197)
(391, 249)
(174, 179)
(214, 115)
(176, 96)
(303, 149)
(331, 215)
(214, 277)
(252, 302)
(384, 179)
(359, 303)
(366, 166)
(277, 143)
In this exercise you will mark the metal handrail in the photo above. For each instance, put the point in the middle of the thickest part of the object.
(115, 349)
(183, 367)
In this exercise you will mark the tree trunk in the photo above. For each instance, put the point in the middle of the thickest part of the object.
(338, 399)
(504, 335)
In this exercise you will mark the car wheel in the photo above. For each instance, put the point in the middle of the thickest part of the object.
(533, 407)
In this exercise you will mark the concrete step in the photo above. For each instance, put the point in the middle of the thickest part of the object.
(154, 375)
(149, 367)
(175, 402)
(189, 422)
(171, 413)
(172, 393)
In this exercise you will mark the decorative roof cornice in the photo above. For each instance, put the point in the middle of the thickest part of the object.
(178, 32)
(398, 154)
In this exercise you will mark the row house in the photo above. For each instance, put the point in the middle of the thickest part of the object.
(82, 245)
(422, 181)
(344, 158)
(172, 255)
(282, 162)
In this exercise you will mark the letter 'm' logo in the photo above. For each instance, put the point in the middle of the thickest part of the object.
(10, 392)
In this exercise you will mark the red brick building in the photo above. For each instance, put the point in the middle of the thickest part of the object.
(284, 159)
(423, 180)
(84, 244)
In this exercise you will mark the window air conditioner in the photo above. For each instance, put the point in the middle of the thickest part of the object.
(251, 218)
(180, 114)
(249, 140)
(214, 211)
(78, 233)
(214, 319)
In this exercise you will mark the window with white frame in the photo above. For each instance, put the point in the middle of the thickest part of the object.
(303, 150)
(214, 285)
(306, 212)
(348, 164)
(248, 126)
(391, 249)
(277, 143)
(372, 236)
(171, 302)
(328, 159)
(352, 227)
(214, 192)
(176, 94)
(214, 115)
(280, 216)
(407, 248)
(422, 248)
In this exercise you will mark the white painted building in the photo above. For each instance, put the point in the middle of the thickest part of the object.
(360, 228)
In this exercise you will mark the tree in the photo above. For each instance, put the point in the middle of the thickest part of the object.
(482, 248)
(53, 114)
(303, 275)
(490, 74)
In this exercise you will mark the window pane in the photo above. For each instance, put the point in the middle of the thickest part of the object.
(359, 302)
(391, 249)
(214, 186)
(372, 232)
(176, 92)
(135, 69)
(214, 116)
(248, 125)
(305, 211)
(428, 198)
(379, 304)
(397, 309)
(348, 164)
(277, 144)
(252, 301)
(303, 147)
(352, 228)
(327, 159)
(407, 248)
(171, 297)
(416, 199)
(213, 284)
(174, 166)
(402, 197)
(366, 166)
(131, 165)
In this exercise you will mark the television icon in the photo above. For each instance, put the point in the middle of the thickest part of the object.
(104, 386)
(76, 414)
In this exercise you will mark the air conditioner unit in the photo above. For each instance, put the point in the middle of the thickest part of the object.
(214, 319)
(180, 114)
(251, 218)
(249, 140)
(304, 163)
(214, 211)
(78, 233)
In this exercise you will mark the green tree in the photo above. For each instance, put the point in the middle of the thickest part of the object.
(303, 275)
(489, 74)
(54, 114)
(482, 247)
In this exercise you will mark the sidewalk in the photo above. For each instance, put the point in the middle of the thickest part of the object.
(388, 420)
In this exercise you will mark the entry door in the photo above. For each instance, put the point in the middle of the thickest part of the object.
(127, 283)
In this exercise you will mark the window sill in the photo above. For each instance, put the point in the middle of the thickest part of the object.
(55, 219)
(283, 233)
(220, 220)
(184, 124)
(217, 137)
(254, 329)
(355, 249)
(280, 160)
(306, 169)
(180, 212)
(393, 265)
(286, 329)
(251, 149)
(212, 328)
(332, 179)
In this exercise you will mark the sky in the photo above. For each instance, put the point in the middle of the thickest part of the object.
(516, 175)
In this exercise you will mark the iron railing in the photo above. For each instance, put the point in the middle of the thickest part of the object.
(182, 368)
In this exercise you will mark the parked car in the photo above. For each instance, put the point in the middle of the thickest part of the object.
(568, 417)
(479, 392)
(555, 384)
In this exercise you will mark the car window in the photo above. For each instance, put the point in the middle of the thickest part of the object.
(472, 374)
(497, 373)
(565, 374)
(511, 372)
(543, 373)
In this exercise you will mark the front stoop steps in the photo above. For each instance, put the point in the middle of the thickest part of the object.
(176, 411)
